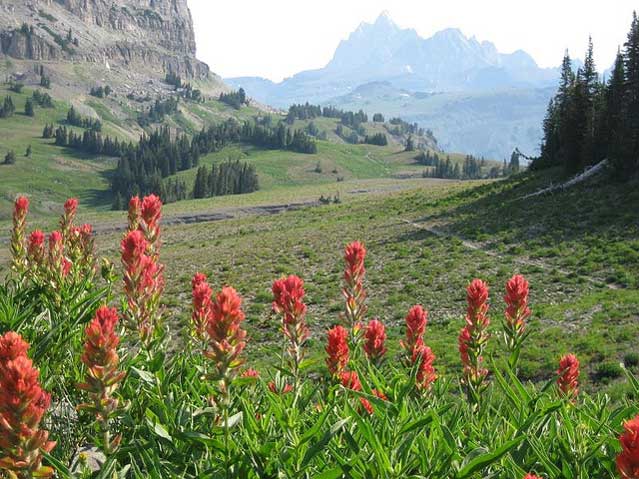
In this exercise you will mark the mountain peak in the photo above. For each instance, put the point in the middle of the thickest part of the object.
(385, 18)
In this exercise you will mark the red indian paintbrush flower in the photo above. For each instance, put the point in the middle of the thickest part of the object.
(150, 213)
(103, 375)
(197, 279)
(225, 335)
(374, 338)
(283, 389)
(337, 350)
(71, 206)
(18, 251)
(35, 248)
(568, 380)
(288, 301)
(416, 321)
(143, 286)
(12, 346)
(426, 374)
(473, 338)
(251, 374)
(353, 291)
(66, 222)
(135, 213)
(202, 304)
(59, 265)
(22, 406)
(350, 380)
(531, 476)
(628, 459)
(516, 314)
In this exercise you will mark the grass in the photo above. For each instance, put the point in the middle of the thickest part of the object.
(575, 309)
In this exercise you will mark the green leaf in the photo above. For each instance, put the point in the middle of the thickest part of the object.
(330, 474)
(484, 460)
(319, 445)
(160, 430)
(145, 376)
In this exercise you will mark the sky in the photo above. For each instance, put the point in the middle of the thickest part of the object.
(275, 39)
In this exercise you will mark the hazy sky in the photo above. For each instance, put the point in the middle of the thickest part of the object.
(278, 38)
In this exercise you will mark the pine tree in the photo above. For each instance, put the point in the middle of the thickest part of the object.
(28, 108)
(630, 116)
(613, 134)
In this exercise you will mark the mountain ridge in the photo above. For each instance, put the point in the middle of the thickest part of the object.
(482, 85)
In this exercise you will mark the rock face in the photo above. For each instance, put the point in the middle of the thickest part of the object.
(145, 34)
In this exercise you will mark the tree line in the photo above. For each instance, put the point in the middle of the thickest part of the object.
(160, 154)
(158, 110)
(236, 99)
(471, 169)
(75, 119)
(590, 120)
(308, 112)
(228, 178)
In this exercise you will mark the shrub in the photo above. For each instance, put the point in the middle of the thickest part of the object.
(10, 158)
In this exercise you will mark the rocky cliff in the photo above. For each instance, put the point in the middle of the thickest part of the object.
(133, 34)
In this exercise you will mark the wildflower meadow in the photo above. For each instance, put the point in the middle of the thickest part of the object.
(93, 385)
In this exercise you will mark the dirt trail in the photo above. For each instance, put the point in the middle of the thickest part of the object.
(439, 231)
(218, 215)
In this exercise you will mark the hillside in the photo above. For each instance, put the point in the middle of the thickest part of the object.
(53, 173)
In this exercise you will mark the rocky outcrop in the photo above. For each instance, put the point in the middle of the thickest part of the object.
(150, 34)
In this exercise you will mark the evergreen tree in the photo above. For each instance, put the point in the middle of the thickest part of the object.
(28, 108)
(10, 158)
(629, 147)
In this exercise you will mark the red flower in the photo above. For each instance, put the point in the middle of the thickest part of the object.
(288, 301)
(143, 285)
(337, 350)
(353, 291)
(568, 372)
(197, 279)
(202, 304)
(58, 263)
(375, 336)
(103, 376)
(251, 373)
(21, 207)
(35, 248)
(477, 297)
(628, 459)
(71, 207)
(135, 212)
(151, 212)
(463, 341)
(288, 294)
(151, 209)
(12, 346)
(473, 338)
(18, 252)
(517, 310)
(133, 247)
(226, 338)
(531, 476)
(287, 388)
(426, 374)
(416, 322)
(101, 342)
(350, 380)
(354, 255)
(22, 406)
